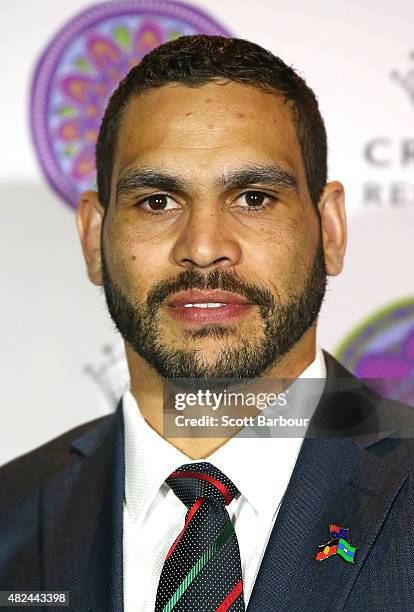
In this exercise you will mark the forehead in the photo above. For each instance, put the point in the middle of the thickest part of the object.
(207, 128)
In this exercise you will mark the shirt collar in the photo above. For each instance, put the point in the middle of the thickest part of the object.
(263, 481)
(150, 459)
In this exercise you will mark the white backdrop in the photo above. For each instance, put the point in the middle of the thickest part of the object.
(59, 352)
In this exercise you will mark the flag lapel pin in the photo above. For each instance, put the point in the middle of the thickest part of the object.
(338, 544)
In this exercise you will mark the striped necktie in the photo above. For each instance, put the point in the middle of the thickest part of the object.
(202, 569)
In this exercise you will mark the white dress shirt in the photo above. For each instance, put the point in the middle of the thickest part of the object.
(153, 515)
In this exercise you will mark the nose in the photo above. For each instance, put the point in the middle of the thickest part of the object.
(207, 238)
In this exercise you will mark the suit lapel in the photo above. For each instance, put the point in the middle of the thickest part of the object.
(335, 480)
(82, 520)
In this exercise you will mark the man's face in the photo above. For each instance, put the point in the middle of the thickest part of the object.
(209, 193)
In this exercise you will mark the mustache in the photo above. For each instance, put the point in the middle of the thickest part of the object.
(216, 279)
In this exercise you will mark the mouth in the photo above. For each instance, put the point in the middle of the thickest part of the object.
(204, 307)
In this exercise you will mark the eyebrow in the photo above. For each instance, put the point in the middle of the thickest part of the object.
(269, 174)
(140, 178)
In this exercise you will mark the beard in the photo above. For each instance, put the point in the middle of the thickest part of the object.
(283, 324)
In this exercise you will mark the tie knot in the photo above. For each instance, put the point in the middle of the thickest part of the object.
(194, 480)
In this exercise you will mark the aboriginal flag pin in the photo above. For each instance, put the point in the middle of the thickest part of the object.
(339, 544)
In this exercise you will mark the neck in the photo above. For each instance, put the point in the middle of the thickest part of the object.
(147, 388)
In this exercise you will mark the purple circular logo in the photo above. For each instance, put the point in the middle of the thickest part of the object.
(80, 69)
(382, 347)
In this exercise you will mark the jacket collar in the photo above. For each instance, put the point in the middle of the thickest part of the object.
(82, 520)
(349, 478)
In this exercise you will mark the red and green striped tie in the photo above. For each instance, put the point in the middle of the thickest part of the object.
(202, 569)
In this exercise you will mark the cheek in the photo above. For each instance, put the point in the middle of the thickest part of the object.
(282, 255)
(135, 262)
(284, 242)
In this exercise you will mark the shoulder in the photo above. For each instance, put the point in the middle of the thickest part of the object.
(28, 470)
(356, 407)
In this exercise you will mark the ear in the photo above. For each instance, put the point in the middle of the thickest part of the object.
(333, 221)
(89, 218)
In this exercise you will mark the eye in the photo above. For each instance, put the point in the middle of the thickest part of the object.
(157, 203)
(256, 200)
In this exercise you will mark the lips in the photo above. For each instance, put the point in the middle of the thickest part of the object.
(197, 307)
(197, 296)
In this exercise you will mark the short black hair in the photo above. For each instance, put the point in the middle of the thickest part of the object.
(199, 59)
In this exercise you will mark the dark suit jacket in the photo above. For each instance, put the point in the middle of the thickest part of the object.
(61, 514)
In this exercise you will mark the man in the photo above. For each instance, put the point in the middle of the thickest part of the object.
(212, 233)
